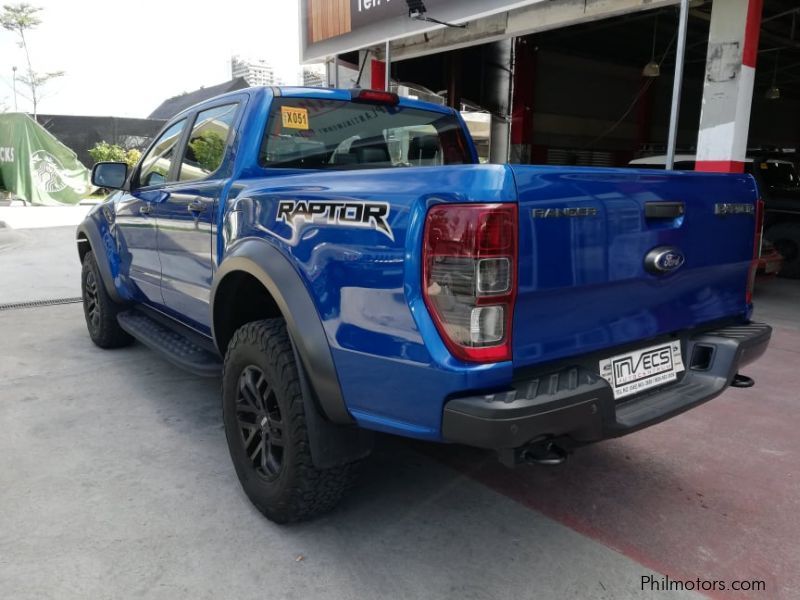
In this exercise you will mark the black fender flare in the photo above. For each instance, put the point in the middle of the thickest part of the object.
(91, 231)
(272, 269)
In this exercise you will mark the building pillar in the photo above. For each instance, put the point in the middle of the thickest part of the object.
(387, 75)
(453, 73)
(499, 83)
(377, 79)
(522, 103)
(728, 85)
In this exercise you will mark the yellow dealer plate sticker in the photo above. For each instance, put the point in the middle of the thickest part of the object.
(294, 118)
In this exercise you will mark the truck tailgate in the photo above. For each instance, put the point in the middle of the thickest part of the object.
(584, 236)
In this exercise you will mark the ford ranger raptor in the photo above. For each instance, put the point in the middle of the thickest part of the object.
(346, 266)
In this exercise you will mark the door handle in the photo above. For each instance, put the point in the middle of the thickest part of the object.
(145, 210)
(663, 210)
(196, 206)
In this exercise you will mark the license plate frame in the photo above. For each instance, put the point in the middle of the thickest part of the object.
(642, 369)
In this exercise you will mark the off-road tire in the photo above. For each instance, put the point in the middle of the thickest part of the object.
(99, 309)
(297, 490)
(786, 238)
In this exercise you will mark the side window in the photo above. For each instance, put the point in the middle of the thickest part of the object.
(206, 146)
(157, 162)
(416, 146)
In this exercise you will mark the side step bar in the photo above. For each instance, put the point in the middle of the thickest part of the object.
(173, 341)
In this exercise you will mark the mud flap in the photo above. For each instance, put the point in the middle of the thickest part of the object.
(331, 444)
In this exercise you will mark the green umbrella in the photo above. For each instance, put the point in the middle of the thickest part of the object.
(35, 166)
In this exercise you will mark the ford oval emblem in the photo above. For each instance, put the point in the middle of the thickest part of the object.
(663, 260)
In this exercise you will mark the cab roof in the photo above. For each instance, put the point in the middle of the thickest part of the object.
(340, 94)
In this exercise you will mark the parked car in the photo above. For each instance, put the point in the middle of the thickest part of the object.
(779, 184)
(339, 288)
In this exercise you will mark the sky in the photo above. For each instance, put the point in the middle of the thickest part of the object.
(124, 59)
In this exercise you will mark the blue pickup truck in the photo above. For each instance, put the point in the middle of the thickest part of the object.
(344, 263)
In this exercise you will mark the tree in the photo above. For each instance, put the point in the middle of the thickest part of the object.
(208, 149)
(103, 151)
(20, 18)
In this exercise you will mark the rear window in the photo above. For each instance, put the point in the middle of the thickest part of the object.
(305, 133)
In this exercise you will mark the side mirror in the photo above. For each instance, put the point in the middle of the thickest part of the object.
(111, 175)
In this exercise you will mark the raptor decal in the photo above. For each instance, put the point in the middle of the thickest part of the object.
(364, 215)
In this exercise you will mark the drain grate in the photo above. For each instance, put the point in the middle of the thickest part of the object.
(38, 303)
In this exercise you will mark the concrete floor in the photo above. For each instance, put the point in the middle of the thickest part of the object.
(115, 482)
(38, 264)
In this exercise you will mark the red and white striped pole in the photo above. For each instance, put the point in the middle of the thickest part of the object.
(728, 86)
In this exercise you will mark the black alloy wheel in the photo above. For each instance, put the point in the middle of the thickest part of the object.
(99, 309)
(269, 438)
(260, 423)
(92, 301)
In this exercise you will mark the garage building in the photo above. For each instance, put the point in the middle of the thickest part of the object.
(592, 79)
(698, 84)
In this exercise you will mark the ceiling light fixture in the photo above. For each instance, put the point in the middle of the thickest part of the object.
(653, 69)
(774, 92)
(417, 10)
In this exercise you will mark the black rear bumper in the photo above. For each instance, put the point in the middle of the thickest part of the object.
(575, 404)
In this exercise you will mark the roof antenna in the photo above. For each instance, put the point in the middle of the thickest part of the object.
(417, 10)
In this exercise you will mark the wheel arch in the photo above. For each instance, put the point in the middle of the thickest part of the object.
(256, 272)
(84, 246)
(88, 237)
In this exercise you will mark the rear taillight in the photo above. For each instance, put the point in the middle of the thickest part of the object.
(469, 277)
(751, 279)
